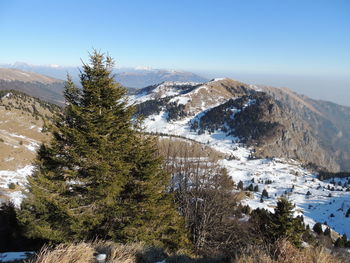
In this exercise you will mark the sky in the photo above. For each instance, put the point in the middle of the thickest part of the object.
(277, 42)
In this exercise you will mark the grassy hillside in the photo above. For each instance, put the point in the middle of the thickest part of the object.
(23, 121)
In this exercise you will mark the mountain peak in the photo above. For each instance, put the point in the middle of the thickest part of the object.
(11, 74)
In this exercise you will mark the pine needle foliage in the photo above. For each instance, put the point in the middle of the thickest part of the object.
(281, 224)
(284, 225)
(100, 176)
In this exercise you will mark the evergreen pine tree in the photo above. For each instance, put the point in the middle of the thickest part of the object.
(339, 242)
(100, 176)
(250, 188)
(264, 193)
(240, 185)
(318, 228)
(327, 232)
(284, 225)
(261, 199)
(347, 213)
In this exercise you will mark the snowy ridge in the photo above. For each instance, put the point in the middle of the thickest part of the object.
(165, 89)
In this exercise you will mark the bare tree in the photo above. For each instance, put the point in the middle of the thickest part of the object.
(206, 195)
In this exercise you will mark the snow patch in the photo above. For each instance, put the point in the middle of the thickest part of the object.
(12, 256)
(218, 79)
(33, 146)
(7, 95)
(180, 100)
(18, 177)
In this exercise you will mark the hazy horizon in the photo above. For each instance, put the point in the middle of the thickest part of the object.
(329, 88)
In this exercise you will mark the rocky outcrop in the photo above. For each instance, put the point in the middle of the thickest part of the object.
(271, 128)
(329, 122)
(289, 137)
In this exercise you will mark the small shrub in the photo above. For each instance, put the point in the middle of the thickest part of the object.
(12, 186)
(317, 228)
(327, 232)
(250, 188)
(265, 193)
(240, 185)
(347, 213)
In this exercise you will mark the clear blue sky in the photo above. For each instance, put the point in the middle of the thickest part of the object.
(258, 36)
(219, 37)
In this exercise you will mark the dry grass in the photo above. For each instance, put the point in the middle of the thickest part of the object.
(214, 93)
(73, 253)
(120, 253)
(173, 148)
(285, 252)
(86, 252)
(129, 253)
(16, 122)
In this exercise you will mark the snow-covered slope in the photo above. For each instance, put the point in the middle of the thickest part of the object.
(314, 199)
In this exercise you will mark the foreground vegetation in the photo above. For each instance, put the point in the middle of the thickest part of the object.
(140, 253)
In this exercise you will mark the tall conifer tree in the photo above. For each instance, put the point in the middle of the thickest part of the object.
(284, 225)
(100, 176)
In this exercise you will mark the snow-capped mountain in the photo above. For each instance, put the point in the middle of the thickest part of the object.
(246, 124)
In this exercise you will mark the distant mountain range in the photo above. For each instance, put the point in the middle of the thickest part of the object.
(280, 123)
(128, 77)
(142, 78)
